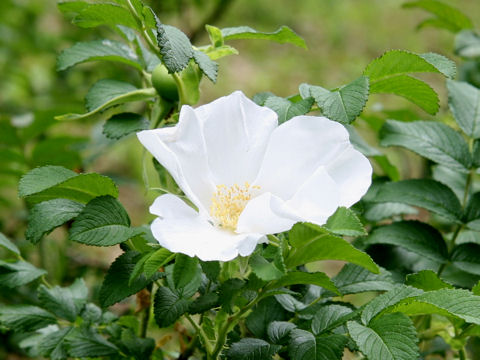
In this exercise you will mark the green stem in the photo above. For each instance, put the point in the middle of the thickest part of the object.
(146, 316)
(201, 333)
(461, 354)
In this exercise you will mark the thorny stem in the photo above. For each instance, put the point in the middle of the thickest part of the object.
(201, 333)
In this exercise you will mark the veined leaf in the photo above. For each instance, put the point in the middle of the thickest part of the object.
(312, 243)
(426, 280)
(252, 349)
(330, 316)
(278, 331)
(86, 342)
(206, 64)
(103, 222)
(184, 270)
(467, 44)
(464, 103)
(13, 274)
(158, 259)
(107, 50)
(354, 279)
(265, 312)
(433, 140)
(300, 277)
(168, 306)
(283, 35)
(414, 236)
(107, 93)
(342, 105)
(124, 124)
(175, 47)
(22, 318)
(345, 222)
(425, 193)
(7, 244)
(287, 109)
(305, 346)
(51, 182)
(47, 215)
(465, 257)
(445, 16)
(390, 337)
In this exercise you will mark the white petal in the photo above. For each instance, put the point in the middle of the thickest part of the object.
(353, 174)
(317, 198)
(180, 229)
(266, 214)
(181, 151)
(297, 148)
(236, 133)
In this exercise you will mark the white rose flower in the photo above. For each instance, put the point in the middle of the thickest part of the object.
(249, 177)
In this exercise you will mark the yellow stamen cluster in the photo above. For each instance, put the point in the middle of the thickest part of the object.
(228, 203)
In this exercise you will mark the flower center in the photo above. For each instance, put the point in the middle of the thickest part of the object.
(228, 203)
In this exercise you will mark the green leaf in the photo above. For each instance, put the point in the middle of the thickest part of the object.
(203, 303)
(312, 243)
(279, 331)
(206, 64)
(390, 337)
(66, 302)
(107, 93)
(228, 291)
(252, 349)
(23, 318)
(59, 150)
(86, 342)
(265, 312)
(424, 193)
(103, 222)
(124, 124)
(388, 300)
(413, 236)
(184, 270)
(412, 89)
(472, 212)
(97, 14)
(175, 47)
(401, 62)
(287, 109)
(139, 348)
(304, 345)
(13, 274)
(283, 35)
(426, 280)
(464, 103)
(158, 259)
(342, 105)
(115, 287)
(354, 279)
(447, 302)
(51, 182)
(454, 179)
(215, 35)
(300, 277)
(211, 269)
(7, 244)
(433, 140)
(467, 44)
(168, 306)
(264, 269)
(106, 50)
(329, 317)
(345, 222)
(445, 16)
(380, 211)
(465, 257)
(47, 215)
(53, 345)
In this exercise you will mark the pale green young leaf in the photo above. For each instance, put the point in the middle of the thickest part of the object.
(283, 35)
(9, 245)
(343, 104)
(464, 103)
(215, 35)
(413, 236)
(445, 16)
(14, 274)
(23, 318)
(103, 222)
(304, 345)
(47, 215)
(124, 124)
(168, 306)
(433, 140)
(425, 193)
(287, 109)
(311, 243)
(354, 279)
(390, 337)
(426, 280)
(252, 349)
(106, 50)
(345, 222)
(467, 44)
